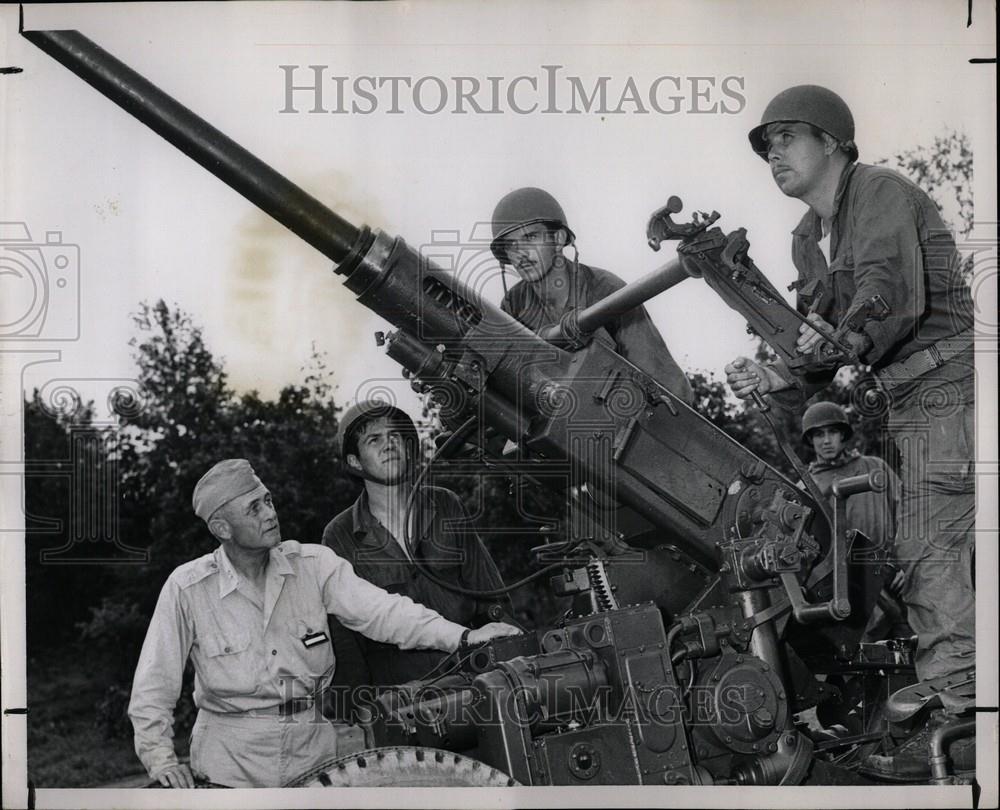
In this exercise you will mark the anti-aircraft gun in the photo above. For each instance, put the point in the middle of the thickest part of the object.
(711, 593)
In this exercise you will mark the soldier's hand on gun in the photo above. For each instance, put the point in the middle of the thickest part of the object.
(895, 586)
(178, 776)
(492, 630)
(809, 338)
(744, 376)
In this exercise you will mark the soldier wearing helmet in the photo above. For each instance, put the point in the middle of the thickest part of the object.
(530, 232)
(826, 429)
(870, 231)
(379, 445)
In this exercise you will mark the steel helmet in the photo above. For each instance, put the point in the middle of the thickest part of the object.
(825, 414)
(810, 104)
(358, 415)
(525, 206)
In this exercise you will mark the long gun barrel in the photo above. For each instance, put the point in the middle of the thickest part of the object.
(270, 191)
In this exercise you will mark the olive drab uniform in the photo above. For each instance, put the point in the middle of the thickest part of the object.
(446, 543)
(887, 238)
(632, 334)
(871, 513)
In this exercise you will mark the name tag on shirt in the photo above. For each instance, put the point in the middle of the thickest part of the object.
(314, 639)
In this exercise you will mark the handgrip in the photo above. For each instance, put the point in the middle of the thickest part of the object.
(874, 481)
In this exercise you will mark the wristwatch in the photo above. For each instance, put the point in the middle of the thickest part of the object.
(464, 641)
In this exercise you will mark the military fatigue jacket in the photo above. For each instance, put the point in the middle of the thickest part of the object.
(872, 513)
(251, 655)
(887, 238)
(632, 333)
(446, 543)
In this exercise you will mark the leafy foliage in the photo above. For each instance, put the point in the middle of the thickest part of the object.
(191, 419)
(944, 171)
(185, 419)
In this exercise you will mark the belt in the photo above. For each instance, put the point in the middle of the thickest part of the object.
(902, 371)
(286, 709)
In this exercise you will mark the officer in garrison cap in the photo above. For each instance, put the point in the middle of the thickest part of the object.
(869, 232)
(252, 618)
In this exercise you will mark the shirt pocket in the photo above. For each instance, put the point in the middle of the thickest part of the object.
(228, 667)
(316, 659)
(842, 285)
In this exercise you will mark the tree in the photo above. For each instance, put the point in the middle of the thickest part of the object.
(944, 171)
(190, 418)
(57, 594)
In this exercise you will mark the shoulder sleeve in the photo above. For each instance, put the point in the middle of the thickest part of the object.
(337, 535)
(359, 605)
(887, 259)
(513, 301)
(157, 683)
(640, 342)
(479, 571)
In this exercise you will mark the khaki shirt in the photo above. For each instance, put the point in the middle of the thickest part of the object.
(247, 648)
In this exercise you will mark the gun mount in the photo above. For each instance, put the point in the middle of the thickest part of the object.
(724, 262)
(686, 658)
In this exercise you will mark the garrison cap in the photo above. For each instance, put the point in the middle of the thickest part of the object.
(227, 480)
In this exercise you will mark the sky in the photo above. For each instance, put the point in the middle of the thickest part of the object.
(149, 223)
